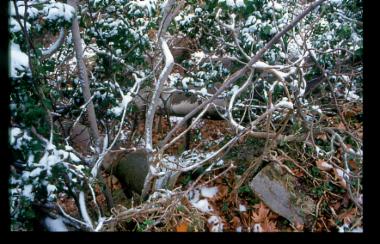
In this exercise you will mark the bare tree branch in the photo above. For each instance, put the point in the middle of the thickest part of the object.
(235, 76)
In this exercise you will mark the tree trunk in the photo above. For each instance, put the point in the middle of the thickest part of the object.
(83, 76)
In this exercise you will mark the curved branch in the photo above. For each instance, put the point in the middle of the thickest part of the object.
(46, 53)
(236, 94)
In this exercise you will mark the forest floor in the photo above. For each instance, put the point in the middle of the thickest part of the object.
(335, 210)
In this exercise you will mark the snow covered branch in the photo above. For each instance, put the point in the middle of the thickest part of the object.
(169, 63)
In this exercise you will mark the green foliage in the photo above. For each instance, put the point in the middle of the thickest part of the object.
(245, 192)
(181, 208)
(315, 172)
(145, 225)
(225, 207)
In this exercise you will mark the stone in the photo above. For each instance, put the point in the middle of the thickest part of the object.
(280, 191)
(131, 170)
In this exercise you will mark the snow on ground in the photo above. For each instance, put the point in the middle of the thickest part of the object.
(240, 3)
(55, 225)
(257, 228)
(209, 192)
(215, 223)
(242, 208)
(198, 56)
(202, 205)
(175, 119)
(346, 228)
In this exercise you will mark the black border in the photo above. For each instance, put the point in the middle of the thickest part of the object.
(370, 160)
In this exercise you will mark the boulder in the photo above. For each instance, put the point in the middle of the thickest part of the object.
(280, 191)
(131, 170)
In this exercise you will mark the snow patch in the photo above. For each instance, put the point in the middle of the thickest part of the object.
(242, 208)
(147, 5)
(337, 2)
(202, 205)
(215, 223)
(14, 133)
(55, 225)
(240, 3)
(209, 192)
(15, 26)
(326, 165)
(175, 119)
(198, 56)
(185, 82)
(342, 229)
(35, 172)
(74, 158)
(117, 111)
(257, 228)
(357, 230)
(285, 104)
(27, 192)
(204, 92)
(19, 62)
(58, 11)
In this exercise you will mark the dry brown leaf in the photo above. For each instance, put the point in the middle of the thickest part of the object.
(336, 206)
(183, 227)
(222, 192)
(235, 222)
(323, 165)
(262, 213)
(339, 176)
(348, 216)
(269, 226)
(322, 137)
(353, 164)
(272, 215)
(297, 172)
(341, 126)
(299, 227)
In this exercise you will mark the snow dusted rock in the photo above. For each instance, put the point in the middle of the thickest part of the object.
(278, 190)
(55, 225)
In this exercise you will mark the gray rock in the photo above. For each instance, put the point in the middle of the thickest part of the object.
(131, 170)
(278, 190)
